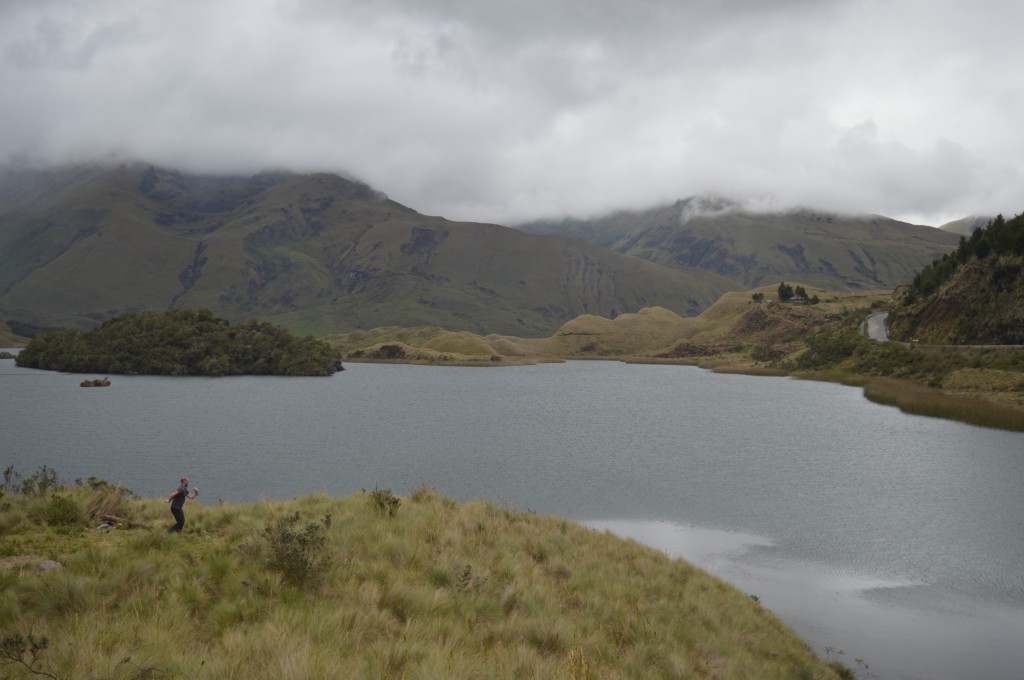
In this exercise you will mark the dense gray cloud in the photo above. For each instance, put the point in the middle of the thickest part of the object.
(503, 111)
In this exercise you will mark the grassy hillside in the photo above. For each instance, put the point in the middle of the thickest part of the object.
(314, 253)
(973, 296)
(733, 327)
(366, 586)
(8, 338)
(831, 251)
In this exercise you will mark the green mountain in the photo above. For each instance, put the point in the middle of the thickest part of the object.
(831, 251)
(973, 296)
(314, 253)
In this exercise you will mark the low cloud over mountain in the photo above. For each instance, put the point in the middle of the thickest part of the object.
(510, 111)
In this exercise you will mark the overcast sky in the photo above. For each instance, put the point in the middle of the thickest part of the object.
(501, 110)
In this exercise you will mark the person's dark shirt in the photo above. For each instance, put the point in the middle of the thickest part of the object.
(179, 497)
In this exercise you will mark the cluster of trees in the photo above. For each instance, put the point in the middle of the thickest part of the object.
(788, 292)
(180, 342)
(1000, 237)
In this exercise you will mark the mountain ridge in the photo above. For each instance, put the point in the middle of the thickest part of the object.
(828, 250)
(315, 253)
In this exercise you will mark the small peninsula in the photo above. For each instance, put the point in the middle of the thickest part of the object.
(180, 342)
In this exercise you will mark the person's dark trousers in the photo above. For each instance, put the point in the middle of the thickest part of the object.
(179, 516)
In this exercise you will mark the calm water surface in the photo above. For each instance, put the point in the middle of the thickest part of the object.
(897, 539)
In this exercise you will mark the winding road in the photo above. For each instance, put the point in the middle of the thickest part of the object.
(874, 327)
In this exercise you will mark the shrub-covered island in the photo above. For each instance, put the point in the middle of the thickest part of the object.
(180, 342)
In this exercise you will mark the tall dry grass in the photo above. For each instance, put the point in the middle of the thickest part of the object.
(918, 399)
(440, 589)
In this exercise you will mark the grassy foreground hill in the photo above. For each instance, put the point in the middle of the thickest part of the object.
(314, 253)
(366, 586)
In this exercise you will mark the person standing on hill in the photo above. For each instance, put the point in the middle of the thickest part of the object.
(177, 501)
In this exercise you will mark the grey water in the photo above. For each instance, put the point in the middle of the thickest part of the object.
(875, 535)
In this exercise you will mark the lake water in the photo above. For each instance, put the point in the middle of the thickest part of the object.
(897, 539)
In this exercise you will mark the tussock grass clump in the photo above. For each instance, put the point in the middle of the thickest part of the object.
(61, 511)
(384, 502)
(439, 589)
(298, 554)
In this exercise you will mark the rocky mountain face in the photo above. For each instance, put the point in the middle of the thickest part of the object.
(831, 251)
(316, 253)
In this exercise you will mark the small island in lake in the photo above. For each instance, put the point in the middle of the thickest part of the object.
(180, 342)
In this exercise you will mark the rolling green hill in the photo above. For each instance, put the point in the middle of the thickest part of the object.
(830, 251)
(314, 253)
(731, 329)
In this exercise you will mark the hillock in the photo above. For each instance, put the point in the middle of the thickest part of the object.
(973, 296)
(736, 326)
(371, 585)
(180, 342)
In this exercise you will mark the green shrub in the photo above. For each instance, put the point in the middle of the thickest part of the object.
(38, 483)
(384, 502)
(17, 650)
(63, 512)
(830, 348)
(298, 554)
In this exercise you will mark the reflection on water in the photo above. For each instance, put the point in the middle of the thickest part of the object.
(695, 544)
(857, 616)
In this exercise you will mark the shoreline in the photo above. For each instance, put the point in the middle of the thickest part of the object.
(909, 396)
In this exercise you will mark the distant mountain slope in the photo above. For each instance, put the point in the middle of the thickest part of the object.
(836, 252)
(975, 295)
(8, 337)
(966, 225)
(315, 253)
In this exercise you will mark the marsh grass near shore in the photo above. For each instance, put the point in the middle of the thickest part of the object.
(921, 400)
(429, 588)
